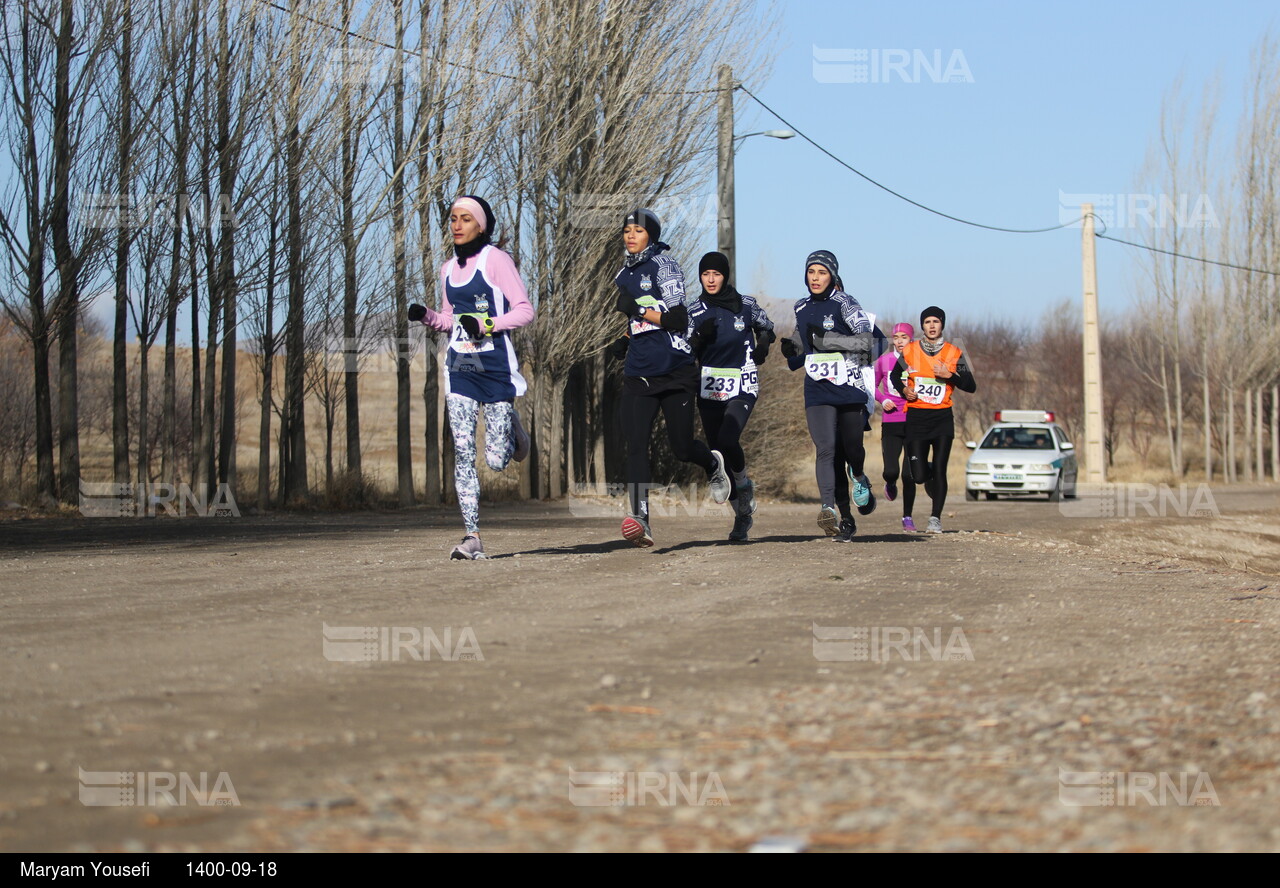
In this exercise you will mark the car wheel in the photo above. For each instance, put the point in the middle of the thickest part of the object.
(971, 495)
(1055, 495)
(1070, 491)
(990, 496)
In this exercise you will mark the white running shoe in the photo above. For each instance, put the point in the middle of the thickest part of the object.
(719, 482)
(935, 525)
(470, 549)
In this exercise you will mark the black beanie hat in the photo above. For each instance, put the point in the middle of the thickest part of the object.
(826, 259)
(934, 312)
(714, 262)
(646, 219)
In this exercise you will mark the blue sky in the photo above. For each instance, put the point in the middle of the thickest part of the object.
(1064, 97)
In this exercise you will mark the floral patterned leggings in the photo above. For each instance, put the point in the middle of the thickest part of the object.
(499, 443)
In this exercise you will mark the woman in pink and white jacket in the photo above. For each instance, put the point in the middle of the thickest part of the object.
(482, 301)
(893, 427)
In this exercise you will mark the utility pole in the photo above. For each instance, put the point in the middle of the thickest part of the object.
(724, 227)
(1094, 455)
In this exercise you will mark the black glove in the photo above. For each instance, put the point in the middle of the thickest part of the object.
(626, 303)
(789, 348)
(618, 348)
(703, 335)
(417, 312)
(675, 320)
(815, 334)
(471, 324)
(763, 340)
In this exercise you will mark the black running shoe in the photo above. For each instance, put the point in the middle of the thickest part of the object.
(741, 525)
(846, 531)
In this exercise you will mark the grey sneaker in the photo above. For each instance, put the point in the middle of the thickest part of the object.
(636, 531)
(829, 520)
(745, 504)
(719, 482)
(470, 549)
(741, 526)
(935, 526)
(521, 450)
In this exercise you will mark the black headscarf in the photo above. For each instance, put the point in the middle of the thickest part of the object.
(728, 298)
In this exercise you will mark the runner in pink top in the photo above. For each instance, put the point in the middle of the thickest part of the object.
(482, 299)
(893, 427)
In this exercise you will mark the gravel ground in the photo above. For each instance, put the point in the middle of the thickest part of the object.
(729, 694)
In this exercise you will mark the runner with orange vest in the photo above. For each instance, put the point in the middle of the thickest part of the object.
(934, 368)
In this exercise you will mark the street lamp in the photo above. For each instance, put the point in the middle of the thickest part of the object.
(772, 134)
(727, 143)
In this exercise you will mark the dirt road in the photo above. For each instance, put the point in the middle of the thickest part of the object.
(1028, 680)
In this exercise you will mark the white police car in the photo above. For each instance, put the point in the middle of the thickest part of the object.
(1024, 452)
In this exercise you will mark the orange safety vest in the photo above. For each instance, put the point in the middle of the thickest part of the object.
(932, 394)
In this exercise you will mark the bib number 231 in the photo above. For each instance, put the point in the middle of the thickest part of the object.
(829, 366)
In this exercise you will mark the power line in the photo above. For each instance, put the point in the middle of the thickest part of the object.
(385, 45)
(1183, 255)
(847, 166)
(886, 188)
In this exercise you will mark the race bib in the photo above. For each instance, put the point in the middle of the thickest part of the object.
(642, 326)
(930, 391)
(720, 383)
(461, 341)
(829, 366)
(751, 381)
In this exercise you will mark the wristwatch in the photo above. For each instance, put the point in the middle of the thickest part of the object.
(488, 325)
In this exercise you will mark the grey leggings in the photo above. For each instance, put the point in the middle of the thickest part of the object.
(823, 422)
(499, 443)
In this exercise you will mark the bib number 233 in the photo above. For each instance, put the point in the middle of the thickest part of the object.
(720, 384)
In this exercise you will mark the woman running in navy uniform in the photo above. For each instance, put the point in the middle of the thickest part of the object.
(834, 346)
(731, 337)
(483, 299)
(659, 372)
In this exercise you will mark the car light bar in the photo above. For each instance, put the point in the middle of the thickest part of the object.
(1024, 416)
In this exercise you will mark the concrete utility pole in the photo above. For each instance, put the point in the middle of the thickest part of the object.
(724, 227)
(1094, 455)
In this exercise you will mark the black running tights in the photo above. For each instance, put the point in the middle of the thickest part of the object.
(922, 469)
(638, 415)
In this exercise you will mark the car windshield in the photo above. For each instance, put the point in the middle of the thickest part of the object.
(1018, 439)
